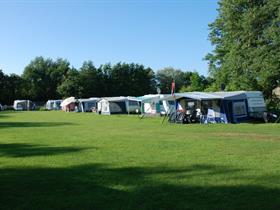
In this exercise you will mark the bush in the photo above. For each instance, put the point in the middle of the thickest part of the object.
(42, 108)
(8, 108)
(273, 105)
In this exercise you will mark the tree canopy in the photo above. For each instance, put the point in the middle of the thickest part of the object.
(246, 39)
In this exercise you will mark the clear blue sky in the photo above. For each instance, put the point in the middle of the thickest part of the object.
(156, 33)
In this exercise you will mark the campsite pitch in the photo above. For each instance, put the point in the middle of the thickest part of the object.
(55, 160)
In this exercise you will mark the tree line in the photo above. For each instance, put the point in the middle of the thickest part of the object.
(45, 78)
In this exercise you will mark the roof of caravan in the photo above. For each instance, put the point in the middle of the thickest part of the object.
(120, 98)
(60, 100)
(194, 95)
(88, 99)
(150, 96)
(231, 94)
(209, 95)
(20, 101)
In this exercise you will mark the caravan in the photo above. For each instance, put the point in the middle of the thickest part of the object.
(53, 105)
(88, 105)
(24, 105)
(234, 107)
(155, 104)
(118, 105)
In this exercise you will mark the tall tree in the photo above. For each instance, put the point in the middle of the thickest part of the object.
(130, 80)
(3, 82)
(72, 84)
(247, 45)
(164, 78)
(43, 76)
(90, 80)
(196, 83)
(11, 88)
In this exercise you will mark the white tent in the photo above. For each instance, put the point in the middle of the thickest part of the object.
(68, 101)
(68, 104)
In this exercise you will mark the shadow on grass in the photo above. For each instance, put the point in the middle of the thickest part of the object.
(28, 150)
(32, 124)
(102, 187)
(3, 115)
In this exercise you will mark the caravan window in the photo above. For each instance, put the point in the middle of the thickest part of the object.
(91, 105)
(20, 106)
(190, 105)
(171, 102)
(239, 108)
(133, 103)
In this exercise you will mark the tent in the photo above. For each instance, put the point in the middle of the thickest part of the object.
(24, 105)
(118, 105)
(53, 105)
(235, 106)
(87, 105)
(68, 104)
(154, 104)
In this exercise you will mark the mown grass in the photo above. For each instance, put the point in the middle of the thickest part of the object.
(56, 160)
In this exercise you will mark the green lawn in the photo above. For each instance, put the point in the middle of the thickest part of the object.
(56, 160)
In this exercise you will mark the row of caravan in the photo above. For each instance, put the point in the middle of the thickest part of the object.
(235, 106)
(149, 104)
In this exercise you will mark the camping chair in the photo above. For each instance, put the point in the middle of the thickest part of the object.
(181, 117)
(210, 118)
(202, 119)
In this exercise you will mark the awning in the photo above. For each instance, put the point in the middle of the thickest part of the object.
(68, 101)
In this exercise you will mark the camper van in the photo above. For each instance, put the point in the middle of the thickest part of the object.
(24, 105)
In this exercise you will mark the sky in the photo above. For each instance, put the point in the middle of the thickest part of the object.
(155, 33)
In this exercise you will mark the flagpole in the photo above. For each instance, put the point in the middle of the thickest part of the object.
(173, 94)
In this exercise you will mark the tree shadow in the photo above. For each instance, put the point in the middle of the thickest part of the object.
(3, 115)
(29, 150)
(102, 187)
(32, 124)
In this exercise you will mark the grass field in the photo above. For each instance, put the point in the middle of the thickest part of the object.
(55, 160)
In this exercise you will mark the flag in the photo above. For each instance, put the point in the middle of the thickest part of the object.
(173, 87)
